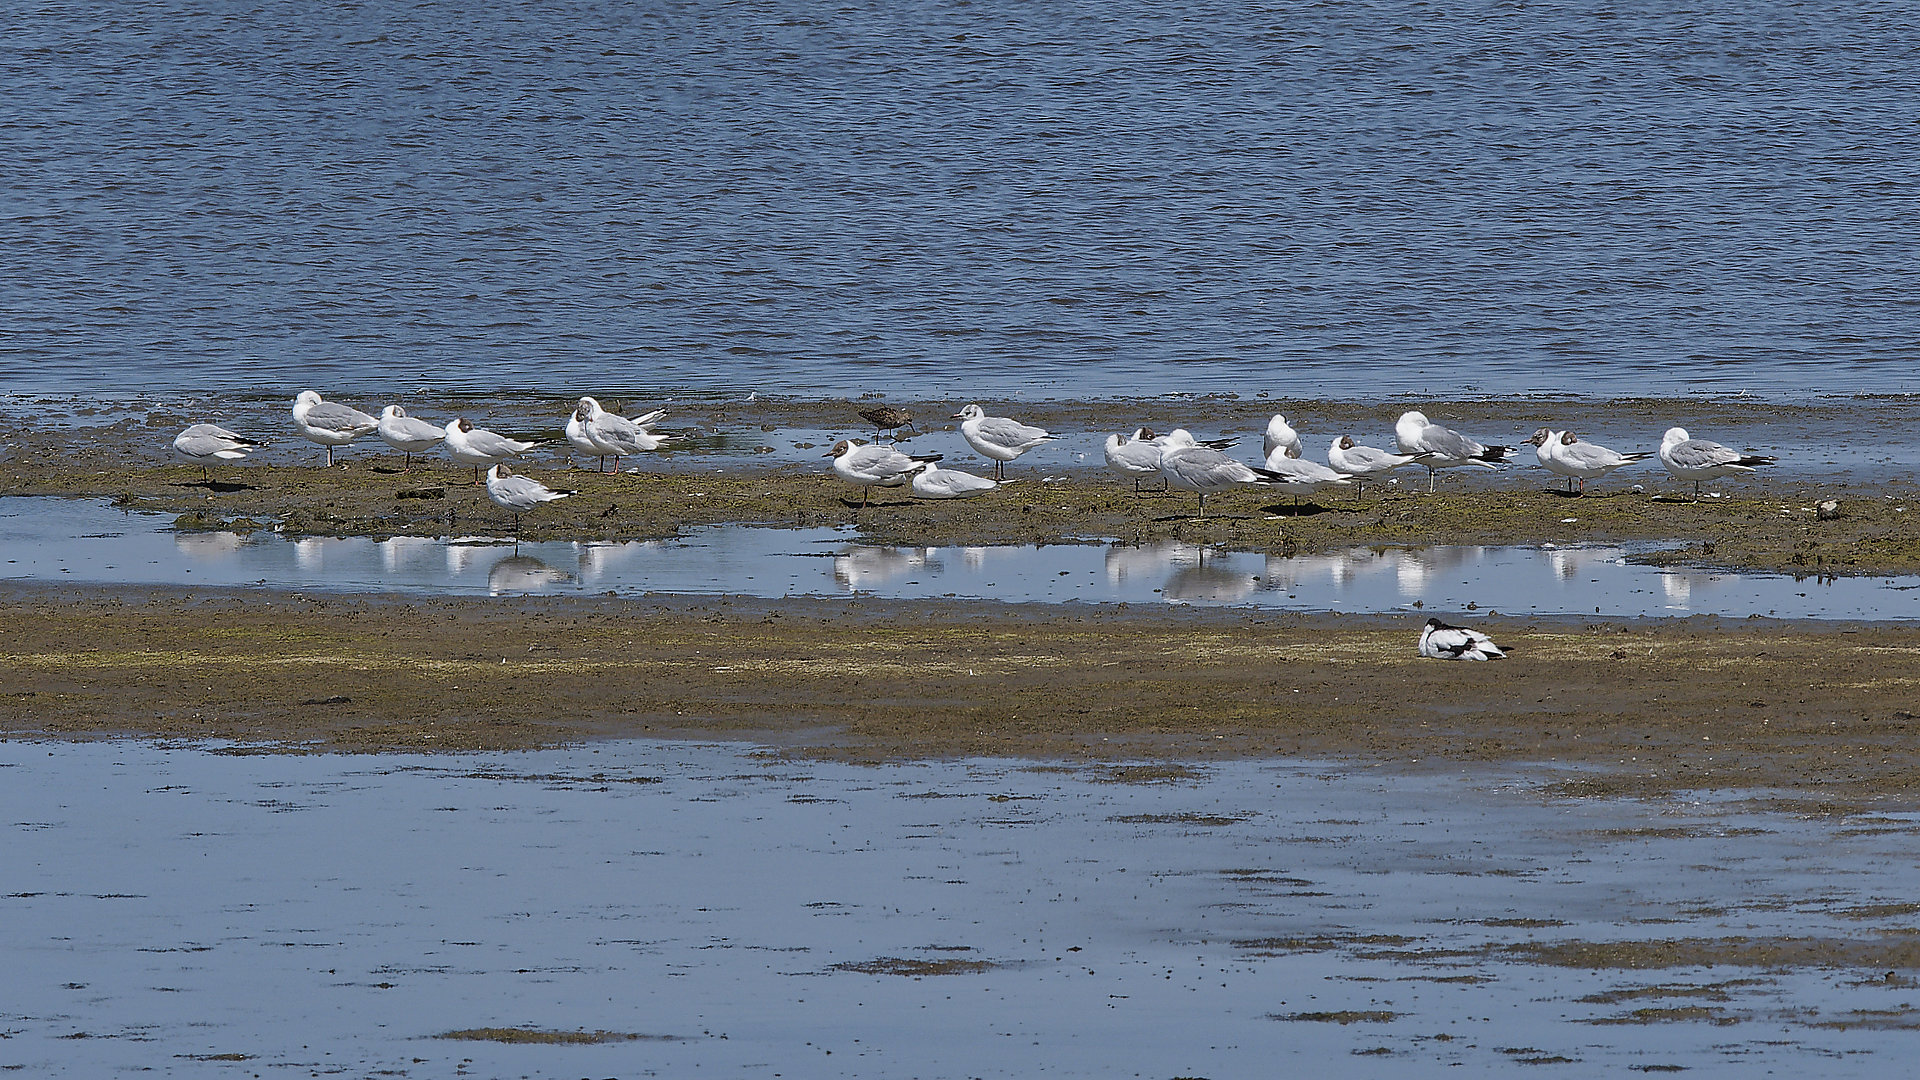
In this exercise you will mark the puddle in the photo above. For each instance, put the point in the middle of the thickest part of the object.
(654, 908)
(82, 541)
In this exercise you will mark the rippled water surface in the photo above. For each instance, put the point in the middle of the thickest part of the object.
(1357, 200)
(201, 914)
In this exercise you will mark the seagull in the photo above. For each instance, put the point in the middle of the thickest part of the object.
(1582, 461)
(577, 436)
(886, 418)
(1438, 641)
(477, 446)
(1279, 436)
(873, 466)
(614, 434)
(998, 437)
(1364, 462)
(1299, 473)
(329, 424)
(1137, 456)
(518, 493)
(1203, 470)
(406, 434)
(1688, 458)
(1543, 441)
(206, 443)
(934, 482)
(1444, 448)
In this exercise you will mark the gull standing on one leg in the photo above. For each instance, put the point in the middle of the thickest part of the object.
(873, 466)
(1363, 462)
(1138, 456)
(407, 434)
(998, 437)
(1443, 448)
(1688, 458)
(206, 443)
(518, 494)
(476, 446)
(329, 424)
(1203, 470)
(614, 434)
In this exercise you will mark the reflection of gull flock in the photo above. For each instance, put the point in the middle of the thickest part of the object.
(1178, 458)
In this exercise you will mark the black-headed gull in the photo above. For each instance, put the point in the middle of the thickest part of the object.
(886, 418)
(1302, 474)
(1442, 448)
(408, 434)
(208, 443)
(1364, 462)
(1137, 455)
(998, 437)
(1438, 641)
(872, 466)
(518, 494)
(616, 435)
(1203, 470)
(328, 423)
(1564, 454)
(1688, 458)
(931, 481)
(1280, 435)
(476, 446)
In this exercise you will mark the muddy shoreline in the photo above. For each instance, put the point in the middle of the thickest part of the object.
(1817, 713)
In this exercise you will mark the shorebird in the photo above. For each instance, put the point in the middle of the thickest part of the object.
(873, 466)
(407, 434)
(1688, 458)
(1280, 435)
(1565, 454)
(1137, 456)
(1442, 448)
(933, 482)
(1299, 473)
(207, 443)
(611, 433)
(1438, 641)
(1364, 462)
(998, 437)
(518, 494)
(1203, 470)
(329, 424)
(477, 446)
(885, 418)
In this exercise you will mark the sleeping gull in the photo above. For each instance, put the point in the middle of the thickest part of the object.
(1203, 470)
(329, 424)
(1137, 456)
(1280, 435)
(934, 482)
(408, 434)
(518, 493)
(1364, 462)
(1688, 458)
(207, 443)
(998, 437)
(1442, 448)
(1438, 641)
(614, 434)
(1299, 473)
(873, 466)
(476, 446)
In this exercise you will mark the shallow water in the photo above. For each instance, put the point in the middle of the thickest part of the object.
(1338, 199)
(65, 540)
(210, 914)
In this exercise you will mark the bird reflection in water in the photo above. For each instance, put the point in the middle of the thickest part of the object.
(208, 546)
(865, 566)
(523, 573)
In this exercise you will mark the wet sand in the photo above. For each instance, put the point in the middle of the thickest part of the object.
(1818, 713)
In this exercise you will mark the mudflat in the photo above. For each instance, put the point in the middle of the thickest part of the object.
(1817, 713)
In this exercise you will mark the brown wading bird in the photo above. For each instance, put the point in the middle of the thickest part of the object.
(885, 418)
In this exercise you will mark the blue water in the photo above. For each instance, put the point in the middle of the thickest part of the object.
(1352, 200)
